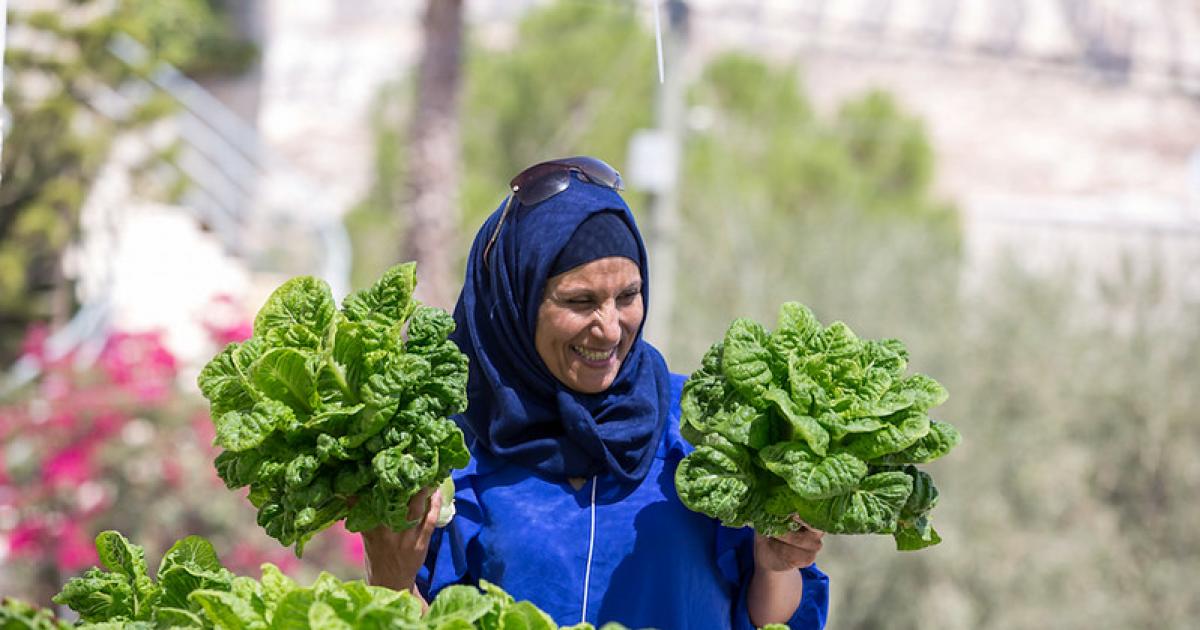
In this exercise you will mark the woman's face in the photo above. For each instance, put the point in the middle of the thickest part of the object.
(587, 321)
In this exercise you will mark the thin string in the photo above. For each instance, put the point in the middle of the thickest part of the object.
(658, 40)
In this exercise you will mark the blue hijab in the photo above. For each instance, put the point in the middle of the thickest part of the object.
(517, 409)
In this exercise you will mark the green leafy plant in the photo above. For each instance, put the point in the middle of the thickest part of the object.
(811, 421)
(17, 614)
(331, 414)
(193, 590)
(127, 593)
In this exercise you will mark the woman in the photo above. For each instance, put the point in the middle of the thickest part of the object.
(573, 426)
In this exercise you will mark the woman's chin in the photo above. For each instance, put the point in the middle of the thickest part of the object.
(591, 379)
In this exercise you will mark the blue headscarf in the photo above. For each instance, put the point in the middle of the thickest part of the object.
(517, 409)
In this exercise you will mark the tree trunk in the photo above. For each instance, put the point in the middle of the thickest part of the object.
(432, 211)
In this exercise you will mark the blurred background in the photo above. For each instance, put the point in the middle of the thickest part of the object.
(1011, 187)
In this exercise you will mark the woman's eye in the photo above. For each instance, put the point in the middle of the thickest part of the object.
(627, 297)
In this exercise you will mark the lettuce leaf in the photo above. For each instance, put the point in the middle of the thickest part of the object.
(812, 421)
(198, 592)
(330, 414)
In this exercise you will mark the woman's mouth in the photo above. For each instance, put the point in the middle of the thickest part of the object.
(595, 358)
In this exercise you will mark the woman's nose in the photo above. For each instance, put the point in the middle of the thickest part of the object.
(608, 323)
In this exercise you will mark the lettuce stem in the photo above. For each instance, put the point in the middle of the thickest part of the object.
(339, 377)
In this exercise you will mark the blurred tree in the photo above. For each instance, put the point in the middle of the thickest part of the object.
(781, 203)
(432, 207)
(580, 79)
(60, 81)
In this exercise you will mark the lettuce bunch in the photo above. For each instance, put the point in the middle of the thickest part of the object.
(812, 421)
(331, 414)
(193, 590)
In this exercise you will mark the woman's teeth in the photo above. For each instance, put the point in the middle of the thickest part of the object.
(594, 355)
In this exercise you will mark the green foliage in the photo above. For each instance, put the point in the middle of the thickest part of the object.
(59, 138)
(18, 615)
(579, 80)
(375, 224)
(332, 414)
(193, 590)
(812, 421)
(766, 145)
(127, 593)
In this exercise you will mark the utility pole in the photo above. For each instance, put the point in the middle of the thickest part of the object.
(3, 49)
(654, 165)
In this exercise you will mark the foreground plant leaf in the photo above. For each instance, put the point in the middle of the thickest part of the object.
(219, 599)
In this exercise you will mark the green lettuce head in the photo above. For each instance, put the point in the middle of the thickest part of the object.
(330, 414)
(812, 422)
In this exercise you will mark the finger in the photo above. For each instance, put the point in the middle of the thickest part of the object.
(805, 526)
(808, 540)
(429, 523)
(418, 505)
(792, 555)
(435, 506)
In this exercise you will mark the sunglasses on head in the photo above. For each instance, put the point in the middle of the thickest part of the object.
(546, 179)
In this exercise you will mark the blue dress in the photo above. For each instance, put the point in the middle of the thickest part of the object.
(605, 552)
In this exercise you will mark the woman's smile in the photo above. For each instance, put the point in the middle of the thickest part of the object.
(588, 321)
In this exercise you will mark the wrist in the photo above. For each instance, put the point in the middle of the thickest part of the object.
(385, 569)
(774, 596)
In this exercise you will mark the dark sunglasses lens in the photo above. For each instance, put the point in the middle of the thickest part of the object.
(542, 188)
(597, 171)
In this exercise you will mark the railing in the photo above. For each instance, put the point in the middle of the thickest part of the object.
(226, 163)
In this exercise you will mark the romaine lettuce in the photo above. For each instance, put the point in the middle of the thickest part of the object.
(193, 590)
(812, 421)
(331, 414)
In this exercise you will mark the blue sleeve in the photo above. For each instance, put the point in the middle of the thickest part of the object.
(735, 559)
(451, 548)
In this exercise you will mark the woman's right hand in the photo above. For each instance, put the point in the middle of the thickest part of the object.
(393, 558)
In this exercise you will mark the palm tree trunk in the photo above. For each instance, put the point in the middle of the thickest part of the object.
(432, 219)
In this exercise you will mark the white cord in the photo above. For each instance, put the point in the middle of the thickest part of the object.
(587, 574)
(658, 40)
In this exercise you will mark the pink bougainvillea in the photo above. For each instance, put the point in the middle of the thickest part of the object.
(75, 549)
(68, 467)
(118, 443)
(140, 363)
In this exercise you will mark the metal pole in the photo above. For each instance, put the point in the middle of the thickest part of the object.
(3, 49)
(664, 212)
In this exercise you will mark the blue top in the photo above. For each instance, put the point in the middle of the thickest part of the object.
(644, 559)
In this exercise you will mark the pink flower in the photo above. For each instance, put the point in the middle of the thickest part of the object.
(26, 538)
(226, 321)
(223, 335)
(108, 423)
(140, 363)
(34, 343)
(71, 466)
(74, 550)
(351, 544)
(172, 473)
(245, 559)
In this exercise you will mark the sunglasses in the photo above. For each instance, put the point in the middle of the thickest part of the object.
(546, 179)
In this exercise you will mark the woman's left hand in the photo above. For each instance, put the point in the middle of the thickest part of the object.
(791, 551)
(777, 587)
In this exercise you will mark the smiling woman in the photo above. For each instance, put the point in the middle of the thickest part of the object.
(591, 312)
(569, 500)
